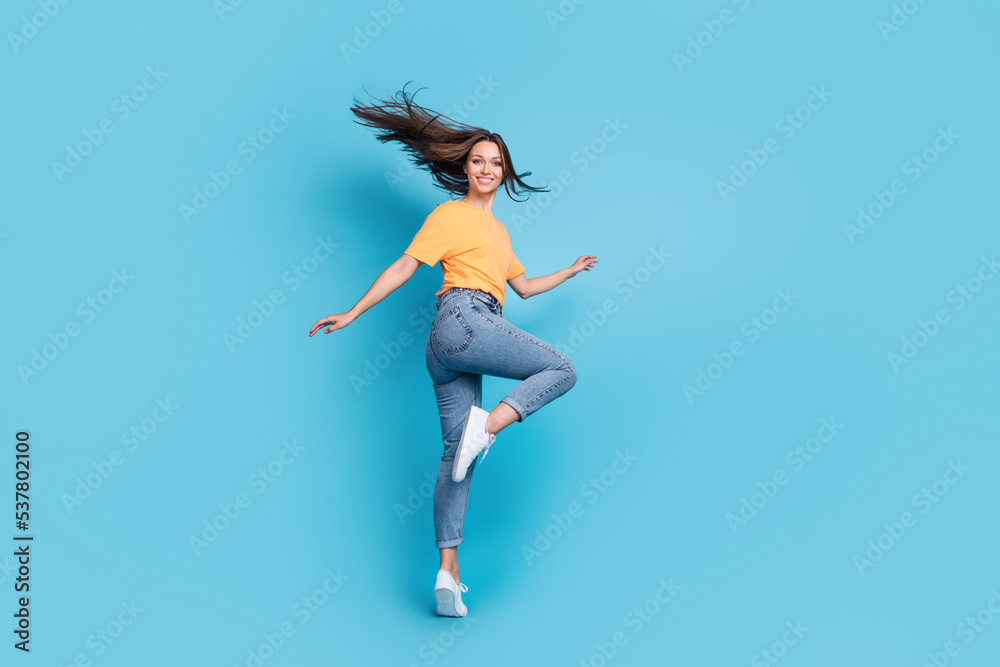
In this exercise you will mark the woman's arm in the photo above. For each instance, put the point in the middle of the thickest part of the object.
(388, 281)
(527, 287)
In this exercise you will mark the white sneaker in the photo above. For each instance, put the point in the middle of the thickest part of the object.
(474, 439)
(449, 595)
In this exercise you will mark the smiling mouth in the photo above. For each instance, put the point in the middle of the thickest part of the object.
(484, 181)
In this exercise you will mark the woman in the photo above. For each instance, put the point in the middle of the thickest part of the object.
(469, 336)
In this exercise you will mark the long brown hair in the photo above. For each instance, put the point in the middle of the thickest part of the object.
(435, 142)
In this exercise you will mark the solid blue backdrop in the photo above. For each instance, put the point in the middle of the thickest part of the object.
(782, 443)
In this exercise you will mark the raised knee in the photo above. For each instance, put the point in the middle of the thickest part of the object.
(571, 372)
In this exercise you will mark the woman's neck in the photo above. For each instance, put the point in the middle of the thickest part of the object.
(483, 202)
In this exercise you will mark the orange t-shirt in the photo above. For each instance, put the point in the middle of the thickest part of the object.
(472, 246)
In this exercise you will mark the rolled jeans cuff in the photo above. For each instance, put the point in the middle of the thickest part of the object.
(517, 408)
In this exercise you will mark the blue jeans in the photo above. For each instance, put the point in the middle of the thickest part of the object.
(469, 339)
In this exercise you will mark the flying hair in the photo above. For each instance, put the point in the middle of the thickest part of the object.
(435, 142)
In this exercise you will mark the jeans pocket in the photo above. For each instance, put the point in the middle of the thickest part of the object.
(451, 333)
(489, 306)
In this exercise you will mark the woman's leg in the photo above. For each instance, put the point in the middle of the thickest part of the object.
(501, 417)
(449, 561)
(479, 340)
(470, 338)
(455, 391)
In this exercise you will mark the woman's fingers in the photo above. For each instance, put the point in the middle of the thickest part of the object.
(332, 323)
(322, 323)
(586, 261)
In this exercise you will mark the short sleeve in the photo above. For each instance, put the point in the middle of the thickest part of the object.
(515, 267)
(430, 243)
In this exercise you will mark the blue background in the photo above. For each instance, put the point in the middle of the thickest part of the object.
(366, 449)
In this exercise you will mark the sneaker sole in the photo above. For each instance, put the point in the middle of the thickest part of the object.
(445, 602)
(458, 451)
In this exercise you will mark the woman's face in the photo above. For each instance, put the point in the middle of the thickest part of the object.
(484, 167)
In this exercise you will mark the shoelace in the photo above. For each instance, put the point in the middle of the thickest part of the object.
(492, 439)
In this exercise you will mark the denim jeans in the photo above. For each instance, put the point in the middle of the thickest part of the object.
(469, 339)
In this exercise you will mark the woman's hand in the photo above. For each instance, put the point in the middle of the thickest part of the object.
(332, 323)
(583, 264)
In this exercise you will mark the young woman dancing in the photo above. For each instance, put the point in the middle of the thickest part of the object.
(470, 336)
